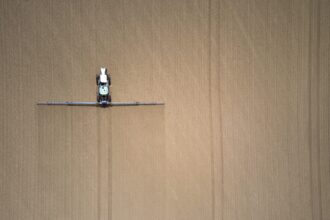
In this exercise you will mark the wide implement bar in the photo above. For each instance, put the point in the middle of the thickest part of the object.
(102, 104)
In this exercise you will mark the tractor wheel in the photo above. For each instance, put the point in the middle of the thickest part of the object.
(97, 79)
